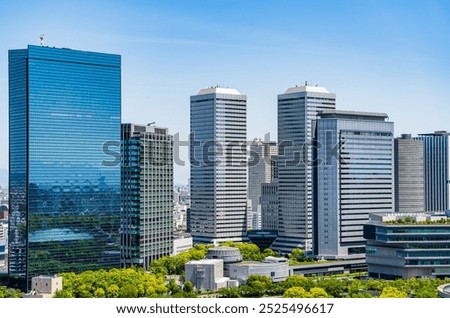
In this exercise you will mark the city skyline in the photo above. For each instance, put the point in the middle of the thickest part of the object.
(378, 56)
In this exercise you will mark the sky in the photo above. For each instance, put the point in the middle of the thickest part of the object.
(379, 56)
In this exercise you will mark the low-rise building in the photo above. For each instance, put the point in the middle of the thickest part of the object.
(181, 243)
(44, 286)
(402, 245)
(223, 267)
(276, 268)
(206, 274)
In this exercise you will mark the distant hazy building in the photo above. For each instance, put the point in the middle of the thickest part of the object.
(260, 170)
(407, 245)
(147, 194)
(297, 113)
(409, 175)
(354, 176)
(269, 205)
(3, 248)
(437, 178)
(218, 153)
(64, 131)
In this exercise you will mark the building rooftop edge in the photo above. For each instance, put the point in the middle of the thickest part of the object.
(306, 88)
(344, 113)
(219, 90)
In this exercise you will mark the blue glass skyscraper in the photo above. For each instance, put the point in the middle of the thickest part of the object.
(64, 121)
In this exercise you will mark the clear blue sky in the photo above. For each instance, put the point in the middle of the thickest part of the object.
(385, 56)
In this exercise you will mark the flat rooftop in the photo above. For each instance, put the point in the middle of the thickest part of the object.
(219, 90)
(306, 88)
(350, 114)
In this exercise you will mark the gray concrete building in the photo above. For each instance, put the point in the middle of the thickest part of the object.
(206, 274)
(269, 205)
(44, 286)
(223, 267)
(260, 170)
(354, 176)
(276, 268)
(436, 147)
(297, 113)
(147, 194)
(409, 174)
(218, 155)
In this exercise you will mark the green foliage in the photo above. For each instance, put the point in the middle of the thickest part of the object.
(251, 252)
(318, 292)
(174, 265)
(173, 287)
(123, 283)
(295, 292)
(234, 292)
(6, 292)
(188, 287)
(297, 254)
(297, 286)
(300, 292)
(392, 292)
(11, 281)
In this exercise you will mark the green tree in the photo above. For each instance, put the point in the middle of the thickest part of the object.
(392, 292)
(173, 287)
(188, 287)
(317, 292)
(297, 254)
(234, 292)
(126, 283)
(296, 292)
(6, 292)
(296, 281)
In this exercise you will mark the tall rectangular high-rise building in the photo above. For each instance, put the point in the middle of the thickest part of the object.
(409, 175)
(218, 165)
(354, 176)
(260, 170)
(436, 149)
(297, 114)
(64, 137)
(147, 194)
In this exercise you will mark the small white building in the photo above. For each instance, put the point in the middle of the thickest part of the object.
(206, 274)
(44, 286)
(181, 244)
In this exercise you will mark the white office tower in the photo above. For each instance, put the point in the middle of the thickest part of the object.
(354, 177)
(297, 114)
(260, 170)
(218, 165)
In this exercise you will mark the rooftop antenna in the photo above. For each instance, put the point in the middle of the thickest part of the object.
(42, 39)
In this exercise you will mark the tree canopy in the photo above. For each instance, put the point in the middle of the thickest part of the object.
(115, 283)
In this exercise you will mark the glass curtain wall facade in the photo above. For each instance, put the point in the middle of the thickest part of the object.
(147, 194)
(297, 114)
(218, 165)
(64, 121)
(436, 148)
(355, 177)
